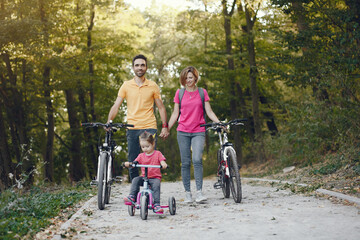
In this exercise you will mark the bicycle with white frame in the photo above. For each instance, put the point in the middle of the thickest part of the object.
(228, 169)
(105, 171)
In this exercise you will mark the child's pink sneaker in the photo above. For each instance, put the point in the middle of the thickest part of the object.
(129, 200)
(158, 209)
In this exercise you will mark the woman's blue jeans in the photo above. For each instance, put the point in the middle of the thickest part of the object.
(134, 147)
(191, 146)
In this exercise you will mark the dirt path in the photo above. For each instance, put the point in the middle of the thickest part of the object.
(264, 213)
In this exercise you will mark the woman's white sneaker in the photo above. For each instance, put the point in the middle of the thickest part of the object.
(188, 197)
(200, 198)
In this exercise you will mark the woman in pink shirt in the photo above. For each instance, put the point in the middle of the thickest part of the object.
(190, 136)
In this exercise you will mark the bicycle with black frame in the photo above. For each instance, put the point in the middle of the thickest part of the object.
(105, 178)
(228, 175)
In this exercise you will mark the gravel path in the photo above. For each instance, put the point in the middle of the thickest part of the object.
(264, 213)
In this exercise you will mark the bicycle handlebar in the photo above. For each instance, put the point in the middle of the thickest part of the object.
(107, 125)
(146, 166)
(223, 124)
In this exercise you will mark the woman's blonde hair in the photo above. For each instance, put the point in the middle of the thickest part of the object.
(185, 72)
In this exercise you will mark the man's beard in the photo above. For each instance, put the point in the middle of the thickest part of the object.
(140, 74)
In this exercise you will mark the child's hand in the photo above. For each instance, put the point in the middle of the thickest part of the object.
(163, 165)
(126, 164)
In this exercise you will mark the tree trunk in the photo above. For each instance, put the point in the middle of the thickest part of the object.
(6, 165)
(232, 83)
(253, 75)
(49, 147)
(91, 153)
(92, 145)
(49, 156)
(90, 63)
(17, 122)
(76, 166)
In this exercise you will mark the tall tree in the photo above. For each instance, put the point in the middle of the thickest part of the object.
(15, 108)
(235, 88)
(251, 17)
(49, 158)
(6, 165)
(77, 172)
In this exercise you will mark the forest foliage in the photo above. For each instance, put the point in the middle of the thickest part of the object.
(291, 67)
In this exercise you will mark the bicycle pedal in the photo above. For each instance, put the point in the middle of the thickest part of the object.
(93, 183)
(217, 185)
(118, 179)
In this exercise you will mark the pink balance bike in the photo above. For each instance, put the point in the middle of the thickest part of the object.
(145, 200)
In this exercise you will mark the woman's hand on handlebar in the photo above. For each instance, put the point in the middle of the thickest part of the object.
(224, 127)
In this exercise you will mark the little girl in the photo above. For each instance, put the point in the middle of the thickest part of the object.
(150, 156)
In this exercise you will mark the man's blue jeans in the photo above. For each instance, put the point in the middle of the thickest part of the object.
(134, 147)
(191, 142)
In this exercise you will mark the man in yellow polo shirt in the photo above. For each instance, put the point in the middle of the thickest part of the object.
(140, 94)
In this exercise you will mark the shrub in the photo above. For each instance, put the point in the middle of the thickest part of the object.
(28, 213)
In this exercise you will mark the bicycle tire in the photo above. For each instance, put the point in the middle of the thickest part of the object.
(234, 180)
(131, 210)
(108, 185)
(102, 180)
(172, 205)
(144, 207)
(225, 187)
(107, 193)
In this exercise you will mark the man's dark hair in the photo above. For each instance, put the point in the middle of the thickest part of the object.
(140, 56)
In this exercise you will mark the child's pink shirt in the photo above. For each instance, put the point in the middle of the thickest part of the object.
(153, 159)
(191, 112)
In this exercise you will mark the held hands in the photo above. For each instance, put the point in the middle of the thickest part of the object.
(164, 133)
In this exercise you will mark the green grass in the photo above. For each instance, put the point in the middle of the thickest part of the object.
(25, 214)
(328, 168)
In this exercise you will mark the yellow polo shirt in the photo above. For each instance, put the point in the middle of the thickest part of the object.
(140, 103)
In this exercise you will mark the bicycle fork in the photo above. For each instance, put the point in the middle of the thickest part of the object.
(109, 176)
(227, 172)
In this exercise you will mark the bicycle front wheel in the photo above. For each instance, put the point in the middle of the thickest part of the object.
(234, 180)
(144, 207)
(102, 181)
(222, 178)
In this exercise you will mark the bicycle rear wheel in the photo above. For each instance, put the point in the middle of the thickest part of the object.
(222, 178)
(234, 180)
(102, 181)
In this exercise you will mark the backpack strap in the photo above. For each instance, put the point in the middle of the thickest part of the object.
(181, 94)
(202, 96)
